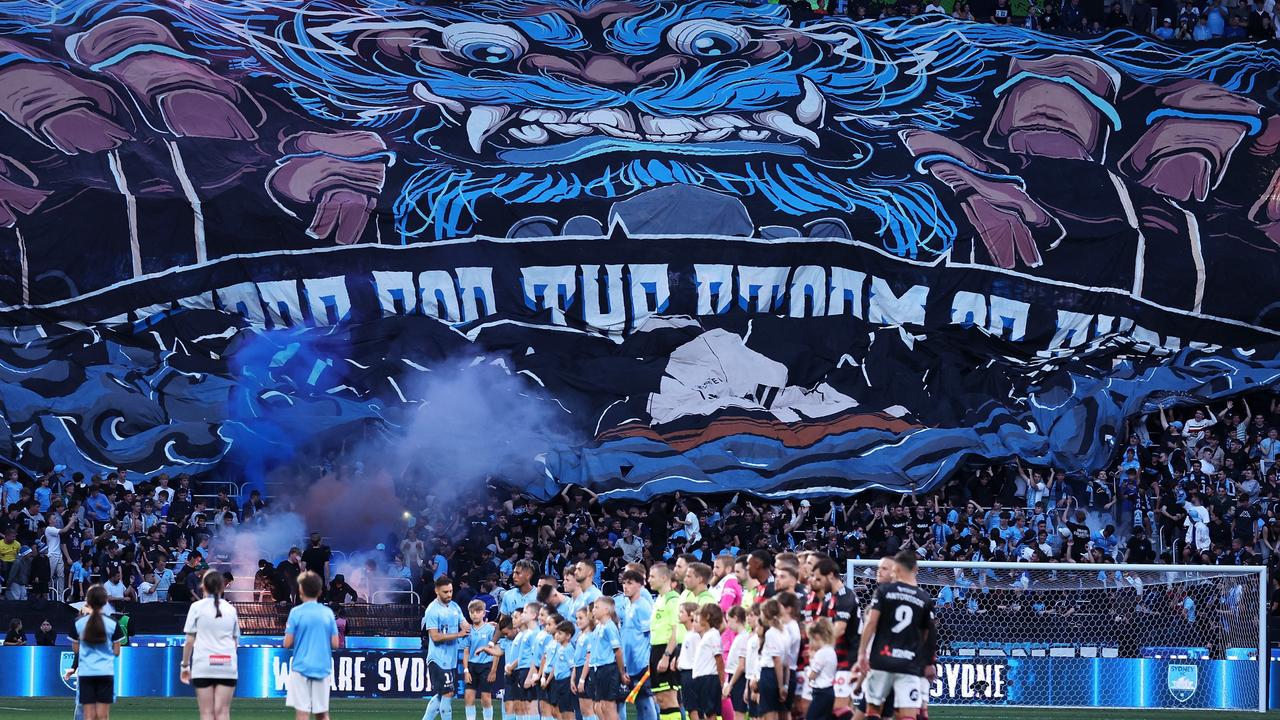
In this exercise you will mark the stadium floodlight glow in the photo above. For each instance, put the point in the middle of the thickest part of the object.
(1063, 635)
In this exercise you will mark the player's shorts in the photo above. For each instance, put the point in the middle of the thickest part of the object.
(661, 682)
(517, 692)
(702, 695)
(97, 690)
(770, 702)
(480, 677)
(844, 684)
(310, 695)
(738, 696)
(605, 684)
(801, 683)
(441, 681)
(906, 688)
(559, 695)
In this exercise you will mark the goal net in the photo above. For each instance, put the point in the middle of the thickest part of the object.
(1105, 636)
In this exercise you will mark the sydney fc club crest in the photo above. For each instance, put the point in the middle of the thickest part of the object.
(65, 662)
(1183, 681)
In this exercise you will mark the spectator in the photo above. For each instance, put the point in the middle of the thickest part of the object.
(1073, 18)
(45, 636)
(631, 547)
(1141, 15)
(12, 489)
(317, 557)
(1116, 19)
(288, 571)
(15, 635)
(1268, 28)
(117, 590)
(186, 584)
(9, 548)
(1216, 17)
(1000, 14)
(1201, 32)
(1255, 28)
(340, 592)
(19, 575)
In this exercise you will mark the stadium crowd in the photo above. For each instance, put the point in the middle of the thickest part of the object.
(1194, 485)
(1185, 20)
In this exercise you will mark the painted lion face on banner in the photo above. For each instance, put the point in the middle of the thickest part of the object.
(540, 118)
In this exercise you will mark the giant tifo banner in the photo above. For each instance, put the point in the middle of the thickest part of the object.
(1043, 682)
(731, 250)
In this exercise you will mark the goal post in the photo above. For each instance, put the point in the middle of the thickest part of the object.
(1062, 635)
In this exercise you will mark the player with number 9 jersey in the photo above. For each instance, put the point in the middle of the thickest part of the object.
(900, 649)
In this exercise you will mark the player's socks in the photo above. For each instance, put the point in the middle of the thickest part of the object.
(670, 713)
(433, 708)
(469, 712)
(486, 713)
(446, 709)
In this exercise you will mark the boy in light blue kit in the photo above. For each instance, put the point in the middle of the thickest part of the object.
(559, 695)
(480, 670)
(444, 624)
(312, 633)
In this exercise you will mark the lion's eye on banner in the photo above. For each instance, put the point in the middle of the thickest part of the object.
(485, 43)
(707, 38)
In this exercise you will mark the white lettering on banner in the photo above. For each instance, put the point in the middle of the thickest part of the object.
(809, 291)
(475, 285)
(969, 681)
(457, 296)
(395, 292)
(650, 292)
(328, 299)
(761, 289)
(715, 288)
(384, 674)
(846, 290)
(281, 302)
(604, 310)
(549, 287)
(887, 308)
(619, 298)
(438, 296)
(279, 672)
(1008, 315)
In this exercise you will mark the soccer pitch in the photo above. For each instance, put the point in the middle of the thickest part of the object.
(185, 709)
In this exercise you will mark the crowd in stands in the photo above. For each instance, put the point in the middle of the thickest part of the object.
(1191, 485)
(1184, 20)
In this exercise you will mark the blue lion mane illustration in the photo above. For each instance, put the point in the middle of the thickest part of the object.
(538, 103)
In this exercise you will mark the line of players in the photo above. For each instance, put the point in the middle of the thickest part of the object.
(571, 653)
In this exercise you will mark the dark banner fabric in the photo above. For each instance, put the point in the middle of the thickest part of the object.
(716, 247)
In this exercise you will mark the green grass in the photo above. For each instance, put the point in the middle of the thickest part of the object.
(185, 709)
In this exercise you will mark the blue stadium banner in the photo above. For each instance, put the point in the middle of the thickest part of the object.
(1045, 682)
(728, 248)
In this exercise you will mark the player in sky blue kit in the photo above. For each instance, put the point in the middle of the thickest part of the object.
(636, 614)
(523, 593)
(606, 675)
(481, 672)
(444, 625)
